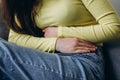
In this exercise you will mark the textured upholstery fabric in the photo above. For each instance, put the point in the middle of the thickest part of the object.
(3, 29)
(112, 60)
(112, 53)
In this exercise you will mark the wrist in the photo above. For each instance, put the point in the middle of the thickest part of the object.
(57, 47)
(60, 32)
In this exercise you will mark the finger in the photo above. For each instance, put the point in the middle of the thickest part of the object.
(46, 35)
(85, 48)
(86, 42)
(81, 51)
(44, 30)
(86, 45)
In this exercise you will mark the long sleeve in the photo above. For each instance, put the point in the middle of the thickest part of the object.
(42, 44)
(108, 26)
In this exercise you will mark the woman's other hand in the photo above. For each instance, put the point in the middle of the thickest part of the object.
(74, 45)
(50, 31)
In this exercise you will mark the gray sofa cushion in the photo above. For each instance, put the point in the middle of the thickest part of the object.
(112, 53)
(112, 60)
(3, 30)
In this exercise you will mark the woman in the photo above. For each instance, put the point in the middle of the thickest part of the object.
(70, 27)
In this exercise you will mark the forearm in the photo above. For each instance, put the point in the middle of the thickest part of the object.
(107, 27)
(42, 44)
(92, 33)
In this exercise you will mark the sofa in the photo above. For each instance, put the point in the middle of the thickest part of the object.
(111, 50)
(3, 29)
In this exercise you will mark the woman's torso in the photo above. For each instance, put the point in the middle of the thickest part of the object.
(63, 12)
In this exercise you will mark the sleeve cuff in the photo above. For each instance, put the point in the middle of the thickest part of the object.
(53, 44)
(60, 34)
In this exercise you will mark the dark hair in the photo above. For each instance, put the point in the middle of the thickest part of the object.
(24, 10)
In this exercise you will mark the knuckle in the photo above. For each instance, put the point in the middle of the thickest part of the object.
(75, 42)
(75, 39)
(72, 49)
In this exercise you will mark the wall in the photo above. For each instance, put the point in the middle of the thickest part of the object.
(116, 5)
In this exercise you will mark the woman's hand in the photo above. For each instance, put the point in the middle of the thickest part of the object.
(50, 32)
(74, 45)
(69, 45)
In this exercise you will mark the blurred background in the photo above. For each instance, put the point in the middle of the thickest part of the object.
(116, 5)
(3, 29)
